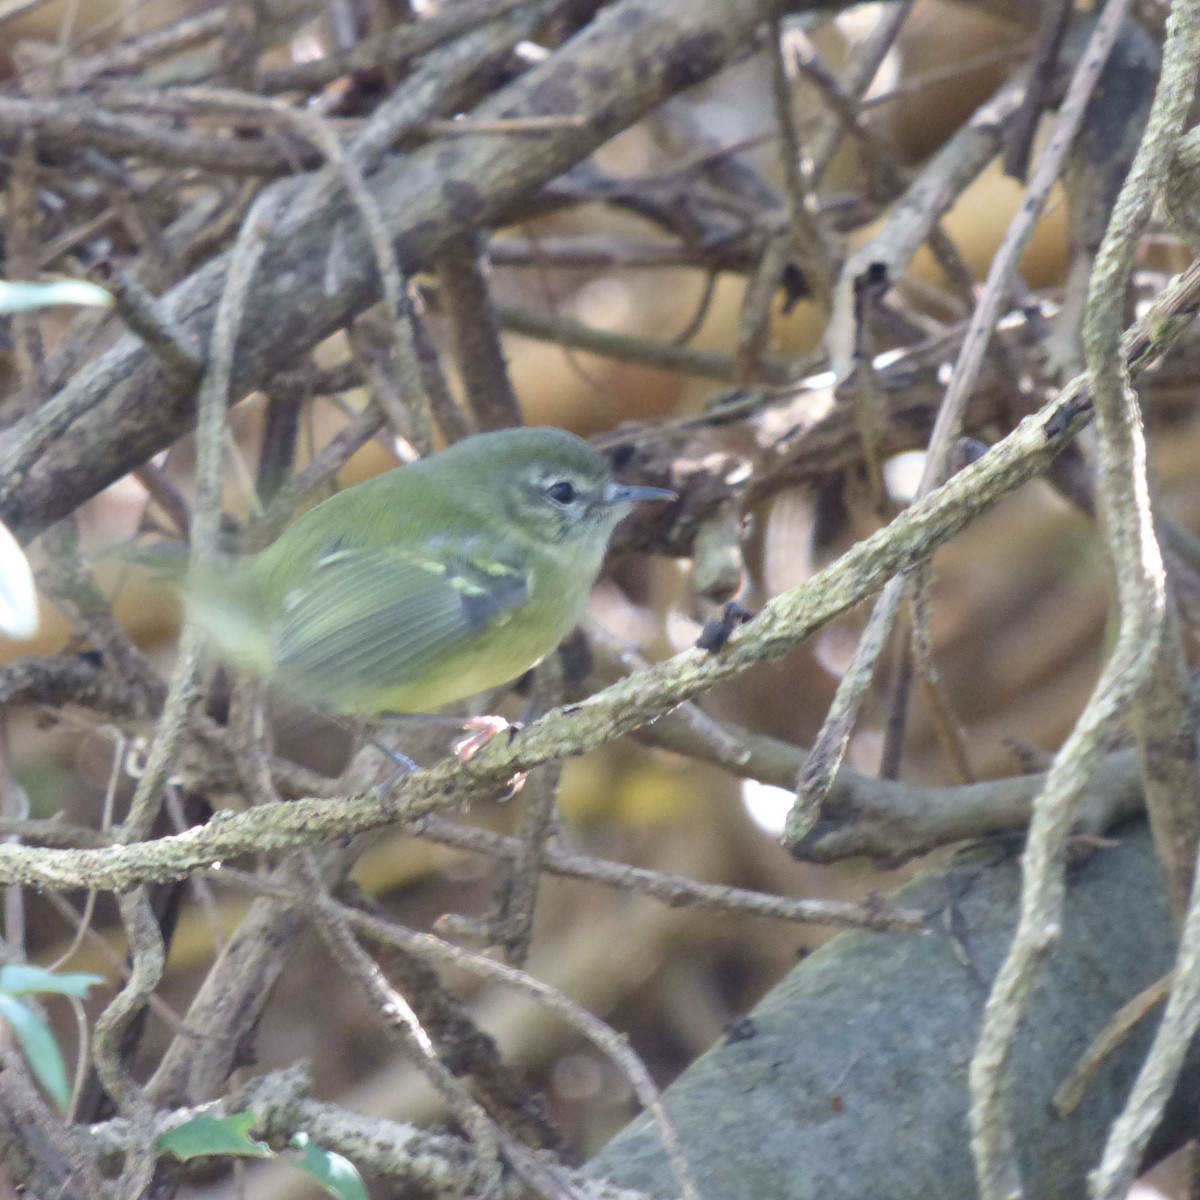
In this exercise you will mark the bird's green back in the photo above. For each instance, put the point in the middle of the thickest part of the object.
(421, 586)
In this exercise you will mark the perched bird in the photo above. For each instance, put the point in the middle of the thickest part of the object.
(424, 585)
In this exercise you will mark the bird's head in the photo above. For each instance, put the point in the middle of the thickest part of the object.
(549, 484)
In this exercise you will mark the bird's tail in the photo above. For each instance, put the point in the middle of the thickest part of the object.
(165, 561)
(222, 598)
(219, 596)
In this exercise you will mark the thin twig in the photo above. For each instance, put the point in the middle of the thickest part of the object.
(1147, 642)
(205, 531)
(1124, 492)
(783, 624)
(676, 890)
(475, 334)
(591, 1027)
(831, 743)
(511, 921)
(859, 74)
(148, 959)
(1074, 1087)
(399, 1019)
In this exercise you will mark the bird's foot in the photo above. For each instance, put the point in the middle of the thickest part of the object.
(482, 731)
(402, 767)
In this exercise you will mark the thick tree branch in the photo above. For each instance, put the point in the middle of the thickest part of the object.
(318, 270)
(785, 623)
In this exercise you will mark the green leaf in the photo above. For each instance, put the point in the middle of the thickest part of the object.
(45, 1059)
(21, 979)
(335, 1173)
(23, 297)
(215, 1135)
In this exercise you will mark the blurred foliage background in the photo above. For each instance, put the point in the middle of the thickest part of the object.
(1018, 623)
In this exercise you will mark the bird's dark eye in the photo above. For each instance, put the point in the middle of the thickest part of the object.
(562, 492)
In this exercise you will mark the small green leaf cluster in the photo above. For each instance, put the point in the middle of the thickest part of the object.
(19, 980)
(205, 1135)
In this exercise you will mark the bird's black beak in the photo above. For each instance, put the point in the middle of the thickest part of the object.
(627, 493)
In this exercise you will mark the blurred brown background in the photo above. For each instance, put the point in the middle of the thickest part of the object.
(1019, 621)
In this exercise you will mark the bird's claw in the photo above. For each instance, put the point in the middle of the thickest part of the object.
(483, 729)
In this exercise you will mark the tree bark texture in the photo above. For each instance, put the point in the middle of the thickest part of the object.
(318, 269)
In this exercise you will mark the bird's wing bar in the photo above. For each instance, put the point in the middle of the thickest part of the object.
(367, 619)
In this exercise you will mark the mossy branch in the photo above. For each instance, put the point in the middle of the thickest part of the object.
(785, 623)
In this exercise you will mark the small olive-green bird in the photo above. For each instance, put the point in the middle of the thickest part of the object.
(426, 584)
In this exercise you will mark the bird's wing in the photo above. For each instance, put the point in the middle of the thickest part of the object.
(371, 619)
